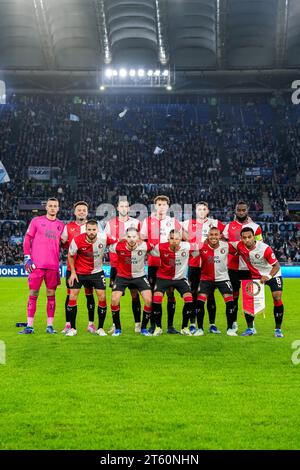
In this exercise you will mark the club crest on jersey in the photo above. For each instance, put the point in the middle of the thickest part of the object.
(183, 253)
(100, 246)
(72, 229)
(222, 251)
(257, 256)
(140, 253)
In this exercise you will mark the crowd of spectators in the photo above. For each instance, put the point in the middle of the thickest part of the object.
(190, 151)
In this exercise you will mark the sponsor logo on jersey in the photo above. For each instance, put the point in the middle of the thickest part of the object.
(72, 229)
(83, 248)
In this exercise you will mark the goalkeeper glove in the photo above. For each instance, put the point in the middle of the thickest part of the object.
(29, 264)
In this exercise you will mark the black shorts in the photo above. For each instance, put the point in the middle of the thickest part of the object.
(238, 275)
(152, 274)
(113, 275)
(208, 287)
(96, 280)
(194, 277)
(182, 285)
(139, 283)
(275, 284)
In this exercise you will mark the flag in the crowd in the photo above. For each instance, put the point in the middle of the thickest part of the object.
(253, 297)
(4, 178)
(122, 114)
(158, 150)
(74, 118)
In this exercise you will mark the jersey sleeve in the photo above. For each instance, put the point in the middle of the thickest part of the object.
(225, 232)
(258, 234)
(73, 248)
(155, 251)
(269, 255)
(110, 240)
(144, 229)
(232, 248)
(64, 237)
(113, 248)
(220, 226)
(107, 228)
(31, 231)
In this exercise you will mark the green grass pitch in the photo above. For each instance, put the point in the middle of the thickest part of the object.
(133, 392)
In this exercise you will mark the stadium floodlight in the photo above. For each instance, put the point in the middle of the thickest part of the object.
(150, 73)
(166, 73)
(115, 73)
(122, 73)
(108, 73)
(141, 73)
(169, 87)
(102, 88)
(157, 73)
(132, 73)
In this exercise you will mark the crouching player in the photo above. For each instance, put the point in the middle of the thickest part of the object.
(214, 275)
(174, 258)
(87, 270)
(131, 254)
(263, 265)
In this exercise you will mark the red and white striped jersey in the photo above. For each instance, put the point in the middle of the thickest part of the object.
(89, 257)
(157, 231)
(116, 228)
(131, 263)
(72, 230)
(197, 233)
(259, 260)
(214, 261)
(173, 264)
(232, 233)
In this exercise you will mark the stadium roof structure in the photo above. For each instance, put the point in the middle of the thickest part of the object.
(62, 45)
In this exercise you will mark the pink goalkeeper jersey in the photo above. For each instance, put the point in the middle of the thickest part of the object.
(42, 242)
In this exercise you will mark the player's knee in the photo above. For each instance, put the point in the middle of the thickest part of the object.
(34, 293)
(50, 292)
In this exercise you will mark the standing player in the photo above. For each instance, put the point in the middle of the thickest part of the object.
(156, 229)
(236, 266)
(263, 265)
(85, 259)
(41, 256)
(116, 228)
(174, 256)
(197, 230)
(131, 273)
(72, 230)
(214, 275)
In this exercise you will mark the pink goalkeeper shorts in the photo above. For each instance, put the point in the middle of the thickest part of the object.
(50, 276)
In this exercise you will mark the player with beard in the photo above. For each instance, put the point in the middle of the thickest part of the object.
(197, 230)
(236, 266)
(131, 255)
(85, 258)
(116, 228)
(72, 230)
(155, 229)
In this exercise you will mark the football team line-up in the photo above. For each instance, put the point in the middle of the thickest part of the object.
(216, 256)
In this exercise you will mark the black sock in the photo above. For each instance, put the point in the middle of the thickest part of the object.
(72, 312)
(157, 314)
(66, 309)
(101, 316)
(193, 311)
(211, 308)
(146, 317)
(136, 308)
(249, 319)
(186, 313)
(200, 313)
(90, 303)
(171, 307)
(229, 313)
(278, 315)
(235, 308)
(116, 317)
